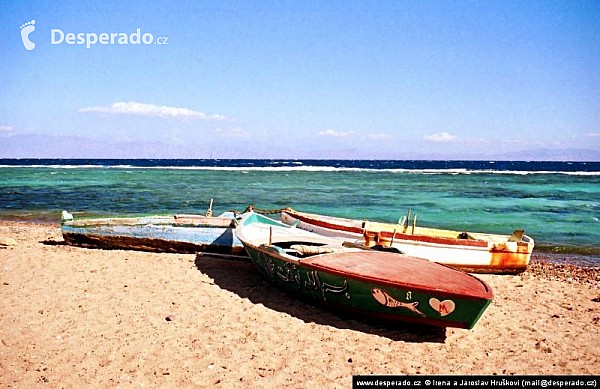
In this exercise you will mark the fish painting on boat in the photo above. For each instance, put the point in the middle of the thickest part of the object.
(467, 251)
(373, 283)
(174, 233)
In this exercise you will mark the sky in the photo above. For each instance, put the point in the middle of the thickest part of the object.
(300, 79)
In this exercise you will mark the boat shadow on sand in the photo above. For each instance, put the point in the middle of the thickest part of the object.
(50, 242)
(240, 277)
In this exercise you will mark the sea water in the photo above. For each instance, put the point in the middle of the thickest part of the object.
(556, 203)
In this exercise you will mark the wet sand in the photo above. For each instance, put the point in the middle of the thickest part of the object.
(74, 317)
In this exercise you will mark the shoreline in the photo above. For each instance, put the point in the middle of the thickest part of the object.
(76, 317)
(553, 254)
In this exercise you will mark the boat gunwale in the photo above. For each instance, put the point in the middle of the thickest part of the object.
(155, 220)
(399, 235)
(332, 224)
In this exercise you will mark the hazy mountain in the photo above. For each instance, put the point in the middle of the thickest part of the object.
(575, 155)
(60, 146)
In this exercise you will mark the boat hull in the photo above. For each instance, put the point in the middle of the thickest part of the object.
(157, 234)
(376, 284)
(496, 255)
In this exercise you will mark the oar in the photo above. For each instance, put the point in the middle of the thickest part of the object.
(414, 224)
(209, 211)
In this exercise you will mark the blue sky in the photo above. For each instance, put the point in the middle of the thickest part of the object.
(302, 79)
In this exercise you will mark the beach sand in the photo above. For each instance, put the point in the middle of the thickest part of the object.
(74, 317)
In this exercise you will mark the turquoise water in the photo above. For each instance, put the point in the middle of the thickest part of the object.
(560, 211)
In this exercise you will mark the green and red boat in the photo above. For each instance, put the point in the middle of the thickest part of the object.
(379, 284)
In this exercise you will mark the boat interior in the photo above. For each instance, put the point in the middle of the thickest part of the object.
(304, 249)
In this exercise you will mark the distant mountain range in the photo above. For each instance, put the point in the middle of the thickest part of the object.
(553, 155)
(58, 146)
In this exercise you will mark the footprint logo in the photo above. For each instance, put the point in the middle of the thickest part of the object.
(27, 29)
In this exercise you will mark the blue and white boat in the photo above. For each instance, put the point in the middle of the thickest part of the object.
(174, 233)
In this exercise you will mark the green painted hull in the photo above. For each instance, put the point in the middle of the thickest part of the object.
(360, 295)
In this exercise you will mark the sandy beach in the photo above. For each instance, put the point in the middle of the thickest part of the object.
(73, 317)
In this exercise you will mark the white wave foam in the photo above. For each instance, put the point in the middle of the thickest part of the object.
(300, 167)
